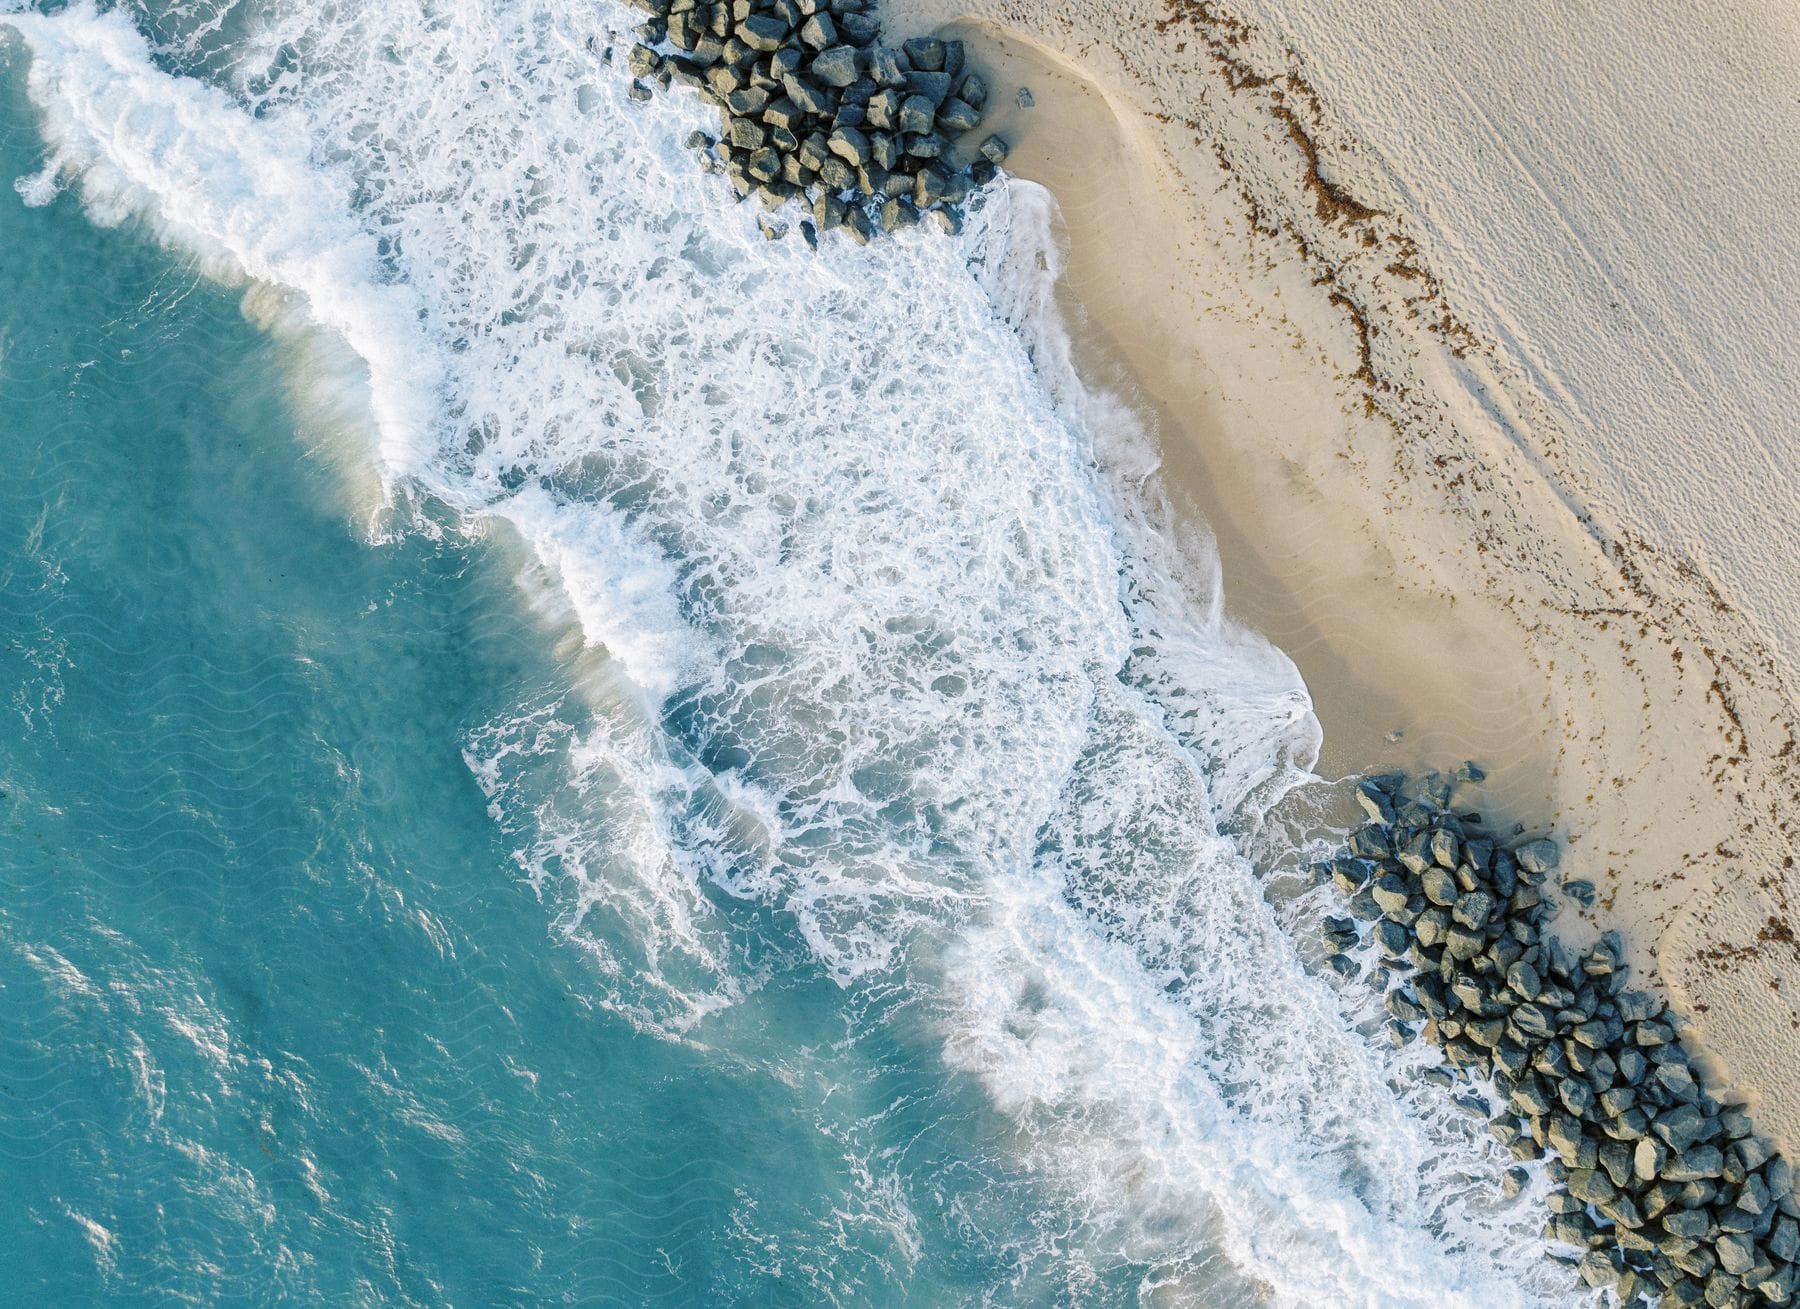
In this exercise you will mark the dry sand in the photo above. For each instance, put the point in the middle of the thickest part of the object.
(1402, 502)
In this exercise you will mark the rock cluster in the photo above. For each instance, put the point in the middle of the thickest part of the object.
(812, 105)
(1664, 1191)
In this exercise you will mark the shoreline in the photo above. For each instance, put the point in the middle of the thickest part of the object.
(1144, 336)
(1398, 509)
(814, 773)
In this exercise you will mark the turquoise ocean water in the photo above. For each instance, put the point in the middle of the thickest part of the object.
(555, 751)
(283, 1020)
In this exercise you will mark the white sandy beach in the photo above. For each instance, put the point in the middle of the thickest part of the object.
(1469, 336)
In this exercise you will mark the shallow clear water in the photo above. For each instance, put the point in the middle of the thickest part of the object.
(560, 750)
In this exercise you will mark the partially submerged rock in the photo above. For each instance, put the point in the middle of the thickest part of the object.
(814, 107)
(1664, 1190)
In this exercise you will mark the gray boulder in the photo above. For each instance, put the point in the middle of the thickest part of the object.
(1616, 1159)
(1538, 856)
(1390, 892)
(1473, 909)
(1564, 1135)
(859, 29)
(836, 66)
(764, 165)
(1784, 1241)
(1616, 1100)
(746, 133)
(1577, 1095)
(1392, 937)
(925, 54)
(1592, 1186)
(1631, 1065)
(896, 213)
(850, 145)
(935, 87)
(1522, 978)
(1737, 1253)
(1780, 1176)
(1511, 1059)
(917, 115)
(884, 108)
(1677, 1080)
(1753, 1197)
(1444, 849)
(873, 179)
(1439, 886)
(1403, 1007)
(1597, 1269)
(1531, 1020)
(955, 55)
(809, 97)
(884, 67)
(1485, 1032)
(785, 62)
(828, 212)
(1652, 1034)
(1570, 1229)
(958, 116)
(1432, 926)
(1693, 1223)
(814, 151)
(762, 32)
(1751, 1152)
(746, 101)
(1623, 1210)
(1463, 943)
(1699, 1163)
(784, 113)
(1374, 801)
(1469, 993)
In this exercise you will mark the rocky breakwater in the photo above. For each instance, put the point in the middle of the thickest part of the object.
(814, 107)
(1661, 1186)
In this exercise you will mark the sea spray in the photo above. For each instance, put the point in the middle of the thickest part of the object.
(922, 701)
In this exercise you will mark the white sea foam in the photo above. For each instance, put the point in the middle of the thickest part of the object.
(925, 673)
(622, 590)
(243, 195)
